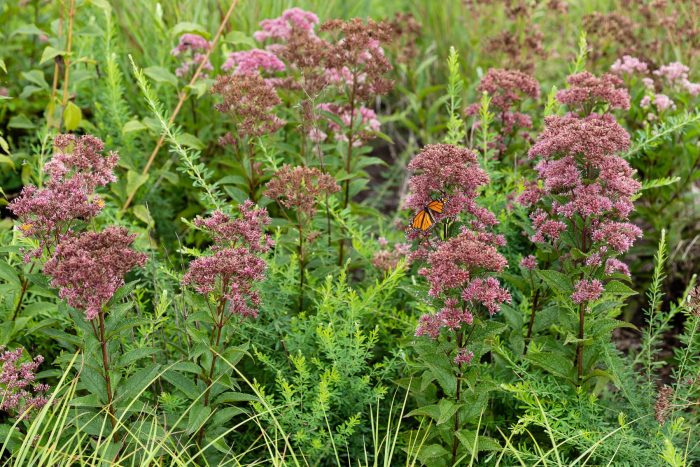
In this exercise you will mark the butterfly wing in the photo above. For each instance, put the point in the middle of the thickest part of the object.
(436, 206)
(423, 220)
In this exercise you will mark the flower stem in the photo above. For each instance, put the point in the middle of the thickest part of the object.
(579, 345)
(105, 367)
(458, 396)
(302, 264)
(535, 300)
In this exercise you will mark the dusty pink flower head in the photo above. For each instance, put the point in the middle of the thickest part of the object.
(507, 87)
(230, 274)
(90, 267)
(387, 259)
(455, 262)
(529, 262)
(585, 89)
(464, 357)
(247, 230)
(282, 27)
(614, 265)
(81, 156)
(195, 46)
(628, 65)
(673, 73)
(76, 169)
(595, 137)
(487, 292)
(356, 59)
(252, 61)
(250, 102)
(368, 122)
(19, 392)
(446, 170)
(587, 291)
(619, 235)
(663, 102)
(191, 43)
(299, 188)
(233, 270)
(452, 316)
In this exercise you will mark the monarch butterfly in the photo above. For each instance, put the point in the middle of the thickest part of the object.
(425, 218)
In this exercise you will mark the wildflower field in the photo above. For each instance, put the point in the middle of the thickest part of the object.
(352, 233)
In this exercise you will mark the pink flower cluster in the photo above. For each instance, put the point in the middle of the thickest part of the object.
(233, 270)
(367, 118)
(444, 170)
(628, 65)
(74, 172)
(252, 61)
(196, 47)
(587, 291)
(585, 187)
(88, 268)
(586, 90)
(299, 188)
(281, 28)
(387, 259)
(661, 102)
(18, 390)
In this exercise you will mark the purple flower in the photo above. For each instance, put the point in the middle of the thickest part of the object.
(196, 47)
(587, 89)
(508, 87)
(587, 291)
(252, 61)
(488, 292)
(628, 65)
(299, 188)
(90, 267)
(18, 390)
(529, 262)
(464, 357)
(281, 28)
(619, 235)
(234, 269)
(189, 43)
(446, 170)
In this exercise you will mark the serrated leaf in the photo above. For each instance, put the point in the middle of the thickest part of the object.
(8, 274)
(190, 141)
(559, 283)
(72, 116)
(618, 288)
(35, 77)
(182, 383)
(143, 214)
(197, 417)
(137, 382)
(552, 362)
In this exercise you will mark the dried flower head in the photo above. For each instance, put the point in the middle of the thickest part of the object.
(250, 102)
(586, 90)
(694, 301)
(299, 188)
(662, 407)
(19, 392)
(90, 267)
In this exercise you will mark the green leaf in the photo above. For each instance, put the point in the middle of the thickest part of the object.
(559, 283)
(137, 382)
(183, 384)
(135, 355)
(222, 416)
(29, 29)
(160, 75)
(238, 38)
(430, 452)
(552, 362)
(134, 180)
(8, 274)
(35, 77)
(190, 141)
(143, 214)
(184, 27)
(198, 415)
(133, 125)
(659, 182)
(50, 53)
(72, 115)
(20, 121)
(618, 288)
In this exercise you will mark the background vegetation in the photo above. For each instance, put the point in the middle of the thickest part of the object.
(331, 371)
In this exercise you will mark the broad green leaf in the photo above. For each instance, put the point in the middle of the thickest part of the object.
(558, 282)
(29, 29)
(134, 180)
(198, 416)
(618, 288)
(238, 38)
(50, 53)
(182, 383)
(190, 141)
(185, 27)
(133, 125)
(72, 116)
(143, 214)
(20, 121)
(137, 382)
(8, 274)
(553, 363)
(160, 75)
(35, 77)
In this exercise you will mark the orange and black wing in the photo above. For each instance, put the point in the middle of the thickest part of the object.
(423, 220)
(436, 206)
